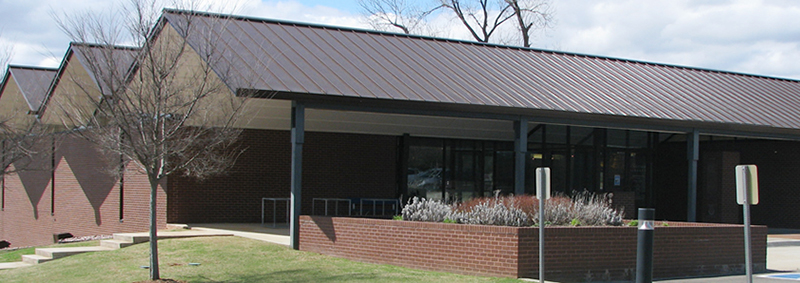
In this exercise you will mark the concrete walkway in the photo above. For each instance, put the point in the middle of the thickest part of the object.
(277, 235)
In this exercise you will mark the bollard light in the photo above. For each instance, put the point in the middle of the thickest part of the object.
(644, 249)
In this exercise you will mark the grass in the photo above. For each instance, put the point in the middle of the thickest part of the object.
(16, 255)
(223, 259)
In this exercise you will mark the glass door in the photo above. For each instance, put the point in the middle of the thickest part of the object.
(465, 182)
(615, 170)
(425, 169)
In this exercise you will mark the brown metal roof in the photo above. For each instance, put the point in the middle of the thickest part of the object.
(94, 59)
(105, 63)
(339, 62)
(33, 82)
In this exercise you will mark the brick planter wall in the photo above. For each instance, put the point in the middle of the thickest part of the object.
(572, 254)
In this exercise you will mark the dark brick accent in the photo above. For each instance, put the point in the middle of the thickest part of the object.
(778, 168)
(334, 166)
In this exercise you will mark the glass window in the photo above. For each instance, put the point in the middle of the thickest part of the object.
(583, 170)
(616, 170)
(425, 165)
(457, 170)
(558, 171)
(504, 172)
(488, 170)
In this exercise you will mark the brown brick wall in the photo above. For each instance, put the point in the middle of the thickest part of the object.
(81, 200)
(334, 166)
(573, 254)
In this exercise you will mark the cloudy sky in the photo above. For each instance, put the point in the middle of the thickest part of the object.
(749, 36)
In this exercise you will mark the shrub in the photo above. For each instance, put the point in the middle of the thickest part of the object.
(493, 211)
(583, 209)
(593, 210)
(421, 209)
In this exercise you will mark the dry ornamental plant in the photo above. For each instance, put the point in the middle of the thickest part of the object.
(582, 209)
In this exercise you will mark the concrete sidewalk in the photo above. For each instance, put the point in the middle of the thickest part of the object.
(277, 235)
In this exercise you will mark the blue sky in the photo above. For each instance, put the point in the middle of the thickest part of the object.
(750, 36)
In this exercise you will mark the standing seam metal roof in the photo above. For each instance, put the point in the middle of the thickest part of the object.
(33, 82)
(301, 58)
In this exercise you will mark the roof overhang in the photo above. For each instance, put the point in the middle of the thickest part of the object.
(424, 108)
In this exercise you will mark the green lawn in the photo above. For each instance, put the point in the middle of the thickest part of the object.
(16, 255)
(223, 259)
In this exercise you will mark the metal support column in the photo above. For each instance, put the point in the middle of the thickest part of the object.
(520, 150)
(298, 137)
(693, 155)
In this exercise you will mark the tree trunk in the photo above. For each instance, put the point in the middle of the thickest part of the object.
(153, 230)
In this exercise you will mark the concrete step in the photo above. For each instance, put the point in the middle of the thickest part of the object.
(115, 244)
(782, 243)
(35, 259)
(56, 253)
(119, 241)
(133, 238)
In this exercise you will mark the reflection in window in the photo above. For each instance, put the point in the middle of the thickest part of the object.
(457, 170)
(580, 158)
(425, 165)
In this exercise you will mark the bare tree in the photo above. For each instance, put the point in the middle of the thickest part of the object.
(166, 113)
(20, 145)
(407, 16)
(482, 18)
(531, 15)
(5, 53)
(19, 135)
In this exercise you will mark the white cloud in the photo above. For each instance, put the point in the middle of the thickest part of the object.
(759, 37)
